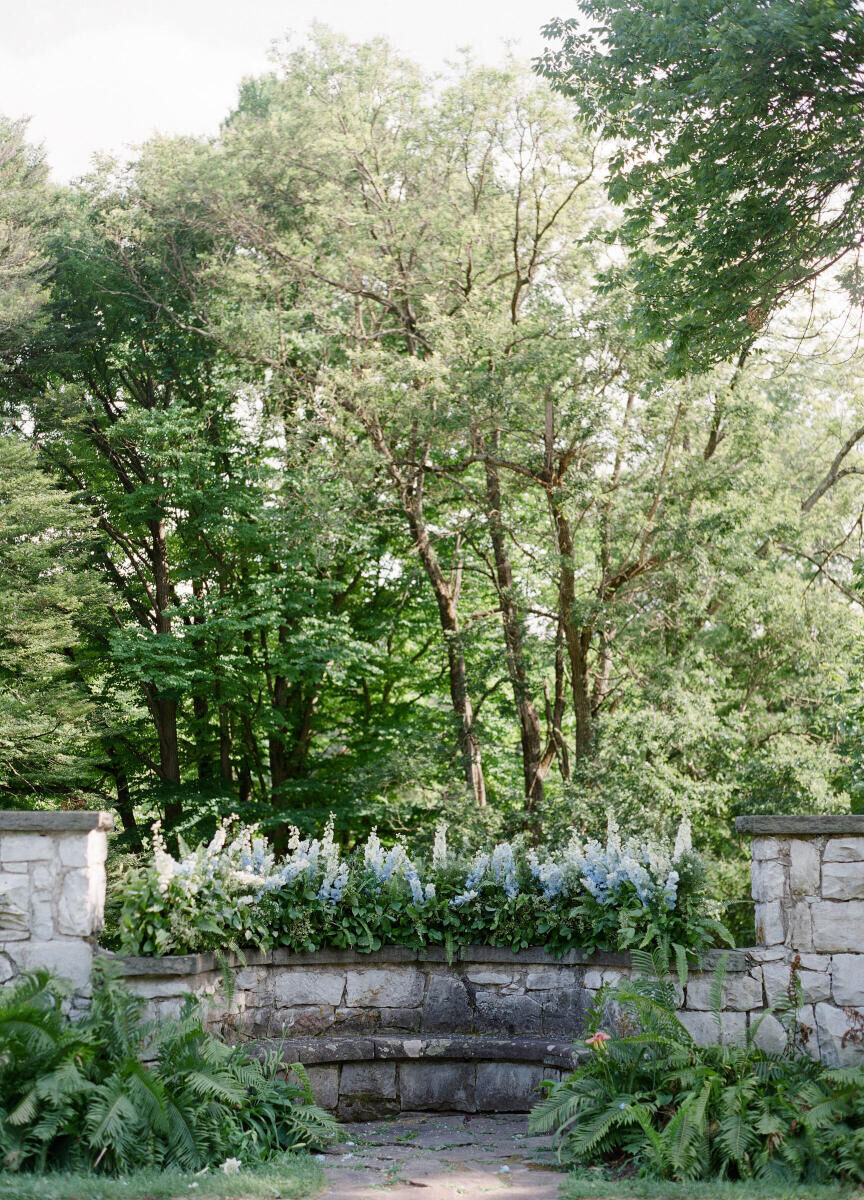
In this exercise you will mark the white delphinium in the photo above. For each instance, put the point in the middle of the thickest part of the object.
(334, 873)
(683, 840)
(439, 848)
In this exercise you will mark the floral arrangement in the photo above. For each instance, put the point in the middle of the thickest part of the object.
(234, 893)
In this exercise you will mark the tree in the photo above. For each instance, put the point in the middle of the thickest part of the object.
(738, 135)
(23, 205)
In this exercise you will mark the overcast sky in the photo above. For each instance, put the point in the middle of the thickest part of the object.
(104, 74)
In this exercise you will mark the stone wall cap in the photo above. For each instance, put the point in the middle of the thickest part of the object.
(54, 822)
(804, 825)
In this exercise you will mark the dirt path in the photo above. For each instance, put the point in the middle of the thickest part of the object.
(442, 1156)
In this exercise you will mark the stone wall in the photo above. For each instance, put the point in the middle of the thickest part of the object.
(808, 884)
(52, 892)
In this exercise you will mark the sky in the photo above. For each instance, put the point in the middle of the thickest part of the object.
(103, 75)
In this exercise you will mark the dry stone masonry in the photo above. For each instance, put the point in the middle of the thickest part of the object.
(403, 1029)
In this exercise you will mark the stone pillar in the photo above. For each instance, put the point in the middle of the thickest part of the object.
(52, 891)
(808, 884)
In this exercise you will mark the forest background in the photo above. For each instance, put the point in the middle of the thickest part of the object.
(346, 466)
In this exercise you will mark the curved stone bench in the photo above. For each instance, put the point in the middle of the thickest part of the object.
(362, 1078)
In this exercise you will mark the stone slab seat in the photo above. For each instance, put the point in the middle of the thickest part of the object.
(386, 1047)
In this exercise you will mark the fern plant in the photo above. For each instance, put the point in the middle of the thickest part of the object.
(649, 1098)
(115, 1093)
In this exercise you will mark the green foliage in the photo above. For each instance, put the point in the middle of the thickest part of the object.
(112, 1093)
(738, 151)
(651, 1098)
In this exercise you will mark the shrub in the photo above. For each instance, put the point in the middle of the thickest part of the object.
(652, 1100)
(234, 893)
(114, 1093)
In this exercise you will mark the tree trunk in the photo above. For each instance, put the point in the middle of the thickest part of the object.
(164, 708)
(533, 767)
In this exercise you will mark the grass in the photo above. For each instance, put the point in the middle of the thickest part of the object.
(289, 1178)
(588, 1185)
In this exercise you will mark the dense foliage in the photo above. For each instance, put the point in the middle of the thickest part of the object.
(648, 1098)
(111, 1092)
(738, 133)
(623, 894)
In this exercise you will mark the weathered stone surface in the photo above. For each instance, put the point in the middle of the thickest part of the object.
(803, 825)
(847, 975)
(707, 1029)
(311, 1019)
(398, 987)
(804, 868)
(844, 849)
(325, 1085)
(70, 959)
(770, 1034)
(564, 1011)
(7, 968)
(308, 985)
(768, 879)
(800, 925)
(407, 1019)
(75, 909)
(838, 927)
(27, 847)
(507, 1014)
(843, 880)
(836, 1048)
(355, 1020)
(740, 992)
(815, 985)
(548, 980)
(770, 928)
(437, 1086)
(764, 847)
(489, 975)
(378, 1078)
(507, 1087)
(447, 1007)
(46, 821)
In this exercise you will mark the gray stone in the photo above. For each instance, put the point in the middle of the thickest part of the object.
(764, 848)
(537, 981)
(847, 973)
(70, 959)
(843, 880)
(838, 926)
(325, 1085)
(437, 1086)
(770, 1035)
(507, 1087)
(768, 879)
(447, 1007)
(400, 1018)
(708, 1029)
(815, 985)
(800, 920)
(507, 1014)
(803, 825)
(368, 1078)
(7, 968)
(308, 985)
(740, 992)
(76, 905)
(834, 1026)
(564, 1011)
(804, 868)
(396, 987)
(48, 821)
(489, 975)
(311, 1019)
(770, 929)
(27, 847)
(846, 849)
(356, 1020)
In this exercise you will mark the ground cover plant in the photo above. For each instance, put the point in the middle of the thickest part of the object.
(109, 1092)
(648, 1101)
(233, 891)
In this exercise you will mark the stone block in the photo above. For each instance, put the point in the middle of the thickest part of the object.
(508, 1087)
(41, 918)
(69, 959)
(708, 1029)
(43, 876)
(564, 1011)
(490, 975)
(312, 1019)
(847, 976)
(833, 1027)
(844, 849)
(538, 981)
(437, 1086)
(770, 928)
(768, 880)
(843, 881)
(393, 987)
(447, 1007)
(593, 979)
(404, 1019)
(367, 1090)
(325, 1085)
(355, 1020)
(770, 1035)
(75, 904)
(764, 847)
(27, 847)
(14, 907)
(740, 992)
(507, 1014)
(804, 868)
(307, 985)
(815, 985)
(800, 925)
(838, 927)
(7, 968)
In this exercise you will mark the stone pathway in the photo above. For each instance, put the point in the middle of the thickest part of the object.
(442, 1156)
